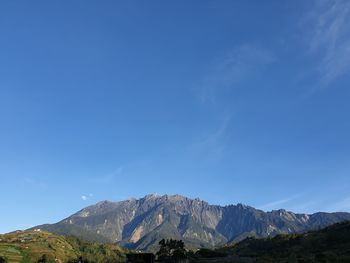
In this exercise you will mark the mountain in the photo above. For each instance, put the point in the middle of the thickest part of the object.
(141, 223)
(31, 246)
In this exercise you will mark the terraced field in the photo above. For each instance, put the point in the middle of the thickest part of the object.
(12, 253)
(30, 246)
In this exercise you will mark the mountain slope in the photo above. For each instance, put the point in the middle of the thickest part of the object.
(141, 223)
(74, 230)
(331, 244)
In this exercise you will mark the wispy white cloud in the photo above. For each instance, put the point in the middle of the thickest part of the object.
(228, 71)
(329, 38)
(86, 197)
(306, 206)
(212, 145)
(225, 74)
(277, 204)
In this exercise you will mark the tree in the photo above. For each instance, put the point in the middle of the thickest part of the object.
(2, 260)
(170, 250)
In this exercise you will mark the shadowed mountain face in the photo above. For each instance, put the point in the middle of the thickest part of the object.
(141, 223)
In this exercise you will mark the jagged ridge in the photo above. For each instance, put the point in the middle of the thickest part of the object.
(141, 223)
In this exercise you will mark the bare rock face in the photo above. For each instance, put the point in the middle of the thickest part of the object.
(141, 223)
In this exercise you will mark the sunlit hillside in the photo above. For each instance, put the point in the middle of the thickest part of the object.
(33, 246)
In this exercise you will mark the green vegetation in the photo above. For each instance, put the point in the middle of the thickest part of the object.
(331, 244)
(170, 250)
(209, 253)
(45, 247)
(97, 252)
(73, 230)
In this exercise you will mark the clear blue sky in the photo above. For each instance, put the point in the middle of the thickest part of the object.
(228, 101)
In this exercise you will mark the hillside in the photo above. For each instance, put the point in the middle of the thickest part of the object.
(141, 223)
(331, 244)
(30, 246)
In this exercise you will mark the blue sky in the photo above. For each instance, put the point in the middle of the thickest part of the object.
(228, 101)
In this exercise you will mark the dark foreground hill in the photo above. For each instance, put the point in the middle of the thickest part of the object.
(331, 244)
(141, 223)
(33, 246)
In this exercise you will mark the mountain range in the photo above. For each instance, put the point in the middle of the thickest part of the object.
(140, 223)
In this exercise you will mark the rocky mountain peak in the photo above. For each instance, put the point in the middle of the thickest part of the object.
(141, 223)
